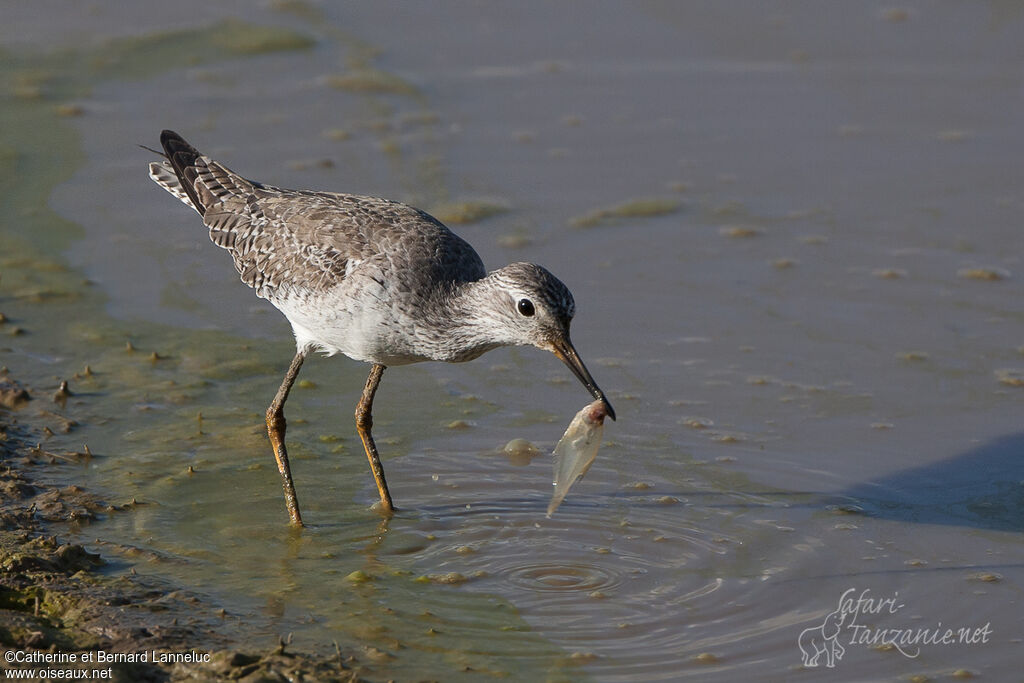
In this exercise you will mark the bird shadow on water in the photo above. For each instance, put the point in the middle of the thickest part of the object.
(981, 488)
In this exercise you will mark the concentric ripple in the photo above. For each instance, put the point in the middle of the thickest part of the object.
(606, 578)
(559, 578)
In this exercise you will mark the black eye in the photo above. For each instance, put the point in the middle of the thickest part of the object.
(525, 307)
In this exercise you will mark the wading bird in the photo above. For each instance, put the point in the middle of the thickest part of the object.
(376, 280)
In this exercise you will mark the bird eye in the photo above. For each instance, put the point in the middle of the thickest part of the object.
(525, 307)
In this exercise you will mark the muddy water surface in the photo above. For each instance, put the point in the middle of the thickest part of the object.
(792, 235)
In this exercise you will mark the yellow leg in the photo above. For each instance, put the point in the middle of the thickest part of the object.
(364, 423)
(276, 426)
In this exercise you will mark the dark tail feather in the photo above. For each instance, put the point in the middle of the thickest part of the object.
(183, 159)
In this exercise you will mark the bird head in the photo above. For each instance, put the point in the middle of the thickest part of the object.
(536, 308)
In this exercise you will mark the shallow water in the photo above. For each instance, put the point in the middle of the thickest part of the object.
(814, 358)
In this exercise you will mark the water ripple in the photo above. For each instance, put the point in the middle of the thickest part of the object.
(559, 578)
(605, 578)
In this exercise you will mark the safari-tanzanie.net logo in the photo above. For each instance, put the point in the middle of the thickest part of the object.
(863, 620)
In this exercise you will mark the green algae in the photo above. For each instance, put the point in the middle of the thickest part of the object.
(72, 72)
(634, 208)
(368, 79)
(469, 211)
(401, 135)
(299, 8)
(40, 150)
(145, 56)
(240, 38)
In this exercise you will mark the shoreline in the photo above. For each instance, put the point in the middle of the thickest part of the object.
(60, 611)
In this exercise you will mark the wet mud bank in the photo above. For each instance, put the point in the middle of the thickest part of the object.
(62, 609)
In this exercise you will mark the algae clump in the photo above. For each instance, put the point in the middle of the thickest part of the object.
(635, 208)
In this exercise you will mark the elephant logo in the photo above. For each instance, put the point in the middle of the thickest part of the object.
(823, 640)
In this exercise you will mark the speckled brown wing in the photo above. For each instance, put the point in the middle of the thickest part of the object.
(301, 242)
(279, 239)
(283, 241)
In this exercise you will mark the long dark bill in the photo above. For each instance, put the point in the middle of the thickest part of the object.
(563, 348)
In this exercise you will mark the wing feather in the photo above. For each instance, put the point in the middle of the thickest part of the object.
(288, 241)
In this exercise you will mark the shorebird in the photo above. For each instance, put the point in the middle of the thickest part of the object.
(376, 280)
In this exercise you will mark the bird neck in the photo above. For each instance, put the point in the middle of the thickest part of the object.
(469, 315)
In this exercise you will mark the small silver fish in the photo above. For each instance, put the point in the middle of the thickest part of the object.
(576, 450)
